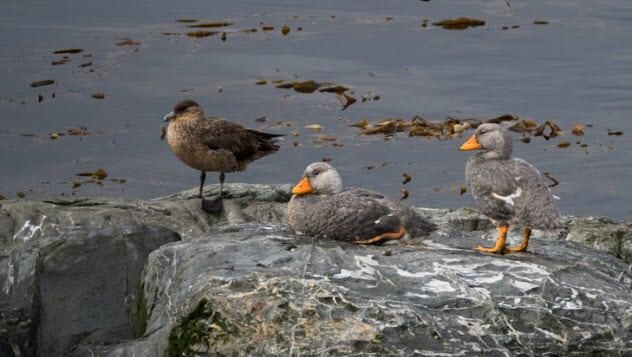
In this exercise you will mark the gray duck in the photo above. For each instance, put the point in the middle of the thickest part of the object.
(213, 144)
(510, 191)
(320, 207)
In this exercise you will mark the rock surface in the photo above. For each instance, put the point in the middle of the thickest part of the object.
(160, 277)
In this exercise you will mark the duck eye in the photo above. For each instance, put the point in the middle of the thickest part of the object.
(316, 173)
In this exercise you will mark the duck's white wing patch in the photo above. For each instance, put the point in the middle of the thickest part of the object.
(508, 199)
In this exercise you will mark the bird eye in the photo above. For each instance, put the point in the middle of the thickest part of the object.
(316, 173)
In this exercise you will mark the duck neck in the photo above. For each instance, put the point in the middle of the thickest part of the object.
(496, 155)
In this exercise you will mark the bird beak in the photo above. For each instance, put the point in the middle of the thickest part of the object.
(302, 187)
(169, 116)
(471, 144)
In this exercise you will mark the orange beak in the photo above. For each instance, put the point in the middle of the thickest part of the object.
(471, 144)
(302, 187)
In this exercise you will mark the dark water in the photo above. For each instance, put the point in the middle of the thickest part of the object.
(576, 69)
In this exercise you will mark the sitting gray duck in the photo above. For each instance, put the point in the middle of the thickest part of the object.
(319, 207)
(214, 144)
(507, 190)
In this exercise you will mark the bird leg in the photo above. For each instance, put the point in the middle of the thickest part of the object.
(213, 206)
(383, 237)
(222, 176)
(500, 241)
(523, 245)
(202, 178)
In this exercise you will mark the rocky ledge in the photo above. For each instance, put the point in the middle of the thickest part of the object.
(117, 277)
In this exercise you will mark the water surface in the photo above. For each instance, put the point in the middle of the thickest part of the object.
(575, 69)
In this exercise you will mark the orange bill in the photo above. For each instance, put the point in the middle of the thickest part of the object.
(302, 187)
(471, 144)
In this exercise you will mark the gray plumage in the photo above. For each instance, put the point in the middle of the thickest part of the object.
(509, 190)
(352, 214)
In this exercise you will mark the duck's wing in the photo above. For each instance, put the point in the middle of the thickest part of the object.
(244, 144)
(537, 206)
(494, 188)
(367, 213)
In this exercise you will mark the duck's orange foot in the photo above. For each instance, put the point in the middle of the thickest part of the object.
(500, 242)
(495, 249)
(383, 237)
(523, 245)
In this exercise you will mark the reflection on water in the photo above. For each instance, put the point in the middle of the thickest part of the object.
(136, 61)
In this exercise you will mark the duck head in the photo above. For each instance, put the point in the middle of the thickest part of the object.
(185, 108)
(319, 178)
(492, 139)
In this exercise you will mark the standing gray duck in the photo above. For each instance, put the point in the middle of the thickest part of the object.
(320, 207)
(213, 144)
(507, 190)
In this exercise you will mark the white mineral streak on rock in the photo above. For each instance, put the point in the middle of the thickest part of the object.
(439, 354)
(552, 335)
(367, 269)
(421, 296)
(28, 230)
(439, 286)
(408, 274)
(10, 277)
(474, 327)
(523, 285)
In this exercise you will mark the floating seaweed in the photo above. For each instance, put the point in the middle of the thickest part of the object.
(578, 129)
(615, 132)
(201, 33)
(405, 194)
(553, 130)
(69, 50)
(346, 100)
(314, 127)
(212, 24)
(306, 86)
(338, 89)
(60, 62)
(407, 178)
(44, 82)
(285, 30)
(98, 174)
(459, 23)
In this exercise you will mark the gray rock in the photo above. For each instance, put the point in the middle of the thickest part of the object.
(241, 283)
(262, 291)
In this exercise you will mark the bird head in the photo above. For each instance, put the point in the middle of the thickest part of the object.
(184, 108)
(319, 178)
(492, 139)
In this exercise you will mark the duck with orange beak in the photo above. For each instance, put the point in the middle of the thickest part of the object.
(321, 208)
(510, 191)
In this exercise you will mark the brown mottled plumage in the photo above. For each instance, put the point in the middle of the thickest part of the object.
(213, 144)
